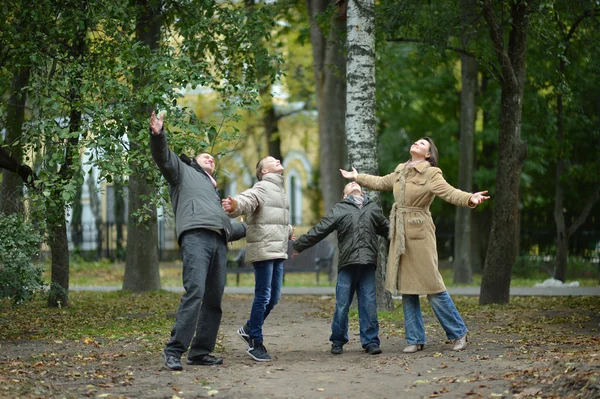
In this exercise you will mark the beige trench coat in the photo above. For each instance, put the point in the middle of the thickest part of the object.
(412, 266)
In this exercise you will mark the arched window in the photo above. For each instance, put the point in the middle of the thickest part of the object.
(294, 192)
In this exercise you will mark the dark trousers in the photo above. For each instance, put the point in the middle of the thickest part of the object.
(198, 318)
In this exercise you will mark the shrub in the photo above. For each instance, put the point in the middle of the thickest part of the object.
(20, 279)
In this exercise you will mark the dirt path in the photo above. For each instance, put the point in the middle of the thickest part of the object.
(551, 360)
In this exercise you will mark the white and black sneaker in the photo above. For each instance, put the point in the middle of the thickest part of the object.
(258, 351)
(243, 334)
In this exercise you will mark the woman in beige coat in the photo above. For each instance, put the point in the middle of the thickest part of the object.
(412, 267)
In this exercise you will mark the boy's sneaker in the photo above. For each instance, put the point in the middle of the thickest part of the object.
(337, 349)
(258, 351)
(242, 332)
(373, 349)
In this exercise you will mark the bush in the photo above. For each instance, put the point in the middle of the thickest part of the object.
(20, 279)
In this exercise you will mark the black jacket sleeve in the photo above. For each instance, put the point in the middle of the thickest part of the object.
(317, 233)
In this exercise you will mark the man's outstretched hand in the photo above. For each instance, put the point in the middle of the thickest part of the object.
(156, 123)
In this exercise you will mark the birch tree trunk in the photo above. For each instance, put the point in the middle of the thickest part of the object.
(360, 110)
(463, 268)
(512, 151)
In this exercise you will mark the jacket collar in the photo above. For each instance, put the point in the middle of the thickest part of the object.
(421, 166)
(349, 200)
(274, 178)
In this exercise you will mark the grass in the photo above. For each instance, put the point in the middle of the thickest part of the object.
(105, 273)
(103, 317)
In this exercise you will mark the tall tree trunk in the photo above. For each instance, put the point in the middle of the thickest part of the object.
(119, 210)
(512, 151)
(482, 220)
(463, 268)
(58, 296)
(96, 206)
(360, 108)
(271, 126)
(77, 220)
(562, 233)
(330, 81)
(11, 192)
(269, 118)
(141, 265)
(59, 246)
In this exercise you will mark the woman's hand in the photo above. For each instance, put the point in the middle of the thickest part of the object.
(478, 198)
(349, 175)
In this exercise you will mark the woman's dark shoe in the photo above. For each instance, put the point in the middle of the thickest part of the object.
(206, 360)
(413, 348)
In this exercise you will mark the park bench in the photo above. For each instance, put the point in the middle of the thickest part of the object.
(318, 259)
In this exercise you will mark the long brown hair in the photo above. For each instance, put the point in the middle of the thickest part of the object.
(433, 152)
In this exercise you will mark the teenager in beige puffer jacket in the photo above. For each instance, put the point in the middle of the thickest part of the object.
(267, 213)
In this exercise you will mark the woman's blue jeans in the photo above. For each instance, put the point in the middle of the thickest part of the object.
(268, 277)
(444, 310)
(359, 278)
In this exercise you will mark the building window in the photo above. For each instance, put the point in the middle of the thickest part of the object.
(295, 197)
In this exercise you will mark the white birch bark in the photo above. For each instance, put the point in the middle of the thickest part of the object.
(360, 110)
(360, 90)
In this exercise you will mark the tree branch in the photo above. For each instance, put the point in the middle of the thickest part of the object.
(492, 67)
(432, 42)
(584, 212)
(498, 43)
(292, 112)
(578, 21)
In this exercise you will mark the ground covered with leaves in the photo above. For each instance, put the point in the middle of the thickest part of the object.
(108, 345)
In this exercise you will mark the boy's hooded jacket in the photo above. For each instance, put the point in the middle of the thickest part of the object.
(357, 229)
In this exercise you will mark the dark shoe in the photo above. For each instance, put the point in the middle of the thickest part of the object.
(243, 334)
(337, 349)
(258, 351)
(373, 349)
(206, 360)
(172, 362)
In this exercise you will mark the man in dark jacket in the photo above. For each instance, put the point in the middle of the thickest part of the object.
(357, 221)
(203, 230)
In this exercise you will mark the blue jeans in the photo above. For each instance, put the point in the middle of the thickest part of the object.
(204, 254)
(444, 310)
(268, 277)
(359, 278)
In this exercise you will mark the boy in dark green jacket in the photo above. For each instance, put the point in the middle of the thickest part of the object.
(357, 221)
